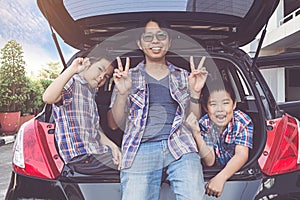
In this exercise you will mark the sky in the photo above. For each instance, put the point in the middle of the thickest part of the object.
(21, 20)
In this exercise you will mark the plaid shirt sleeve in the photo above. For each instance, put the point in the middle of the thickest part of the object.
(66, 93)
(243, 129)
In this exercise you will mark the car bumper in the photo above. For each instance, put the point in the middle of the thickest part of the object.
(23, 187)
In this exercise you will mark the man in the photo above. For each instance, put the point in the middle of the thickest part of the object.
(152, 99)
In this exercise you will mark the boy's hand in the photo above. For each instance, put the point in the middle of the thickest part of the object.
(116, 155)
(80, 64)
(122, 81)
(193, 123)
(197, 77)
(215, 186)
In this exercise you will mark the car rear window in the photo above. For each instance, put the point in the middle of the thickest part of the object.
(79, 9)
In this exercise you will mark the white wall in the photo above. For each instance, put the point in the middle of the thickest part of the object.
(276, 81)
(276, 17)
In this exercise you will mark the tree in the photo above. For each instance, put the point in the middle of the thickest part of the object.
(45, 83)
(52, 71)
(48, 74)
(33, 92)
(12, 77)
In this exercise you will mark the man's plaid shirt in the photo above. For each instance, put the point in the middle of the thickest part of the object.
(180, 140)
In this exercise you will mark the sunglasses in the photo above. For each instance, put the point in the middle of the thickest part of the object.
(160, 36)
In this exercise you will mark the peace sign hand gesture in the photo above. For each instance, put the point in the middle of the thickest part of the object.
(197, 77)
(122, 81)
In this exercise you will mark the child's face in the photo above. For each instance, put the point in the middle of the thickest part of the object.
(97, 74)
(220, 108)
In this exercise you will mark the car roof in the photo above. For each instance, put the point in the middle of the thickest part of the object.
(83, 24)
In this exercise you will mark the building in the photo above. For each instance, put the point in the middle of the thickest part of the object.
(283, 35)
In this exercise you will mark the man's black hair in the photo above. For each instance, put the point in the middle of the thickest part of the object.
(142, 24)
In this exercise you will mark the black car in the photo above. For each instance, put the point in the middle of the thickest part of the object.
(284, 185)
(215, 29)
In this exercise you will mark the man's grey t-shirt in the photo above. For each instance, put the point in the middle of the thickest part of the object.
(162, 109)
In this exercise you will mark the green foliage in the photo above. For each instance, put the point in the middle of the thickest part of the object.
(12, 77)
(52, 71)
(18, 92)
(33, 92)
(45, 83)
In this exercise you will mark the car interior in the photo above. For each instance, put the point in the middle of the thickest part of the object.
(217, 66)
(245, 98)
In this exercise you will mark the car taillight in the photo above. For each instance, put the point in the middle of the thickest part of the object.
(34, 151)
(282, 148)
(18, 156)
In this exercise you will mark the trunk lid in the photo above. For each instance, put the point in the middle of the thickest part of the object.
(83, 24)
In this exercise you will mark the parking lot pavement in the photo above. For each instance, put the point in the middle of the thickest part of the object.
(7, 139)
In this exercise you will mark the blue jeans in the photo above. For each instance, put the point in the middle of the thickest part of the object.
(142, 180)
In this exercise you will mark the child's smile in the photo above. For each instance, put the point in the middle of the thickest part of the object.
(220, 108)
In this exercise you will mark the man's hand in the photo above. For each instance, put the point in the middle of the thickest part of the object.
(197, 77)
(122, 81)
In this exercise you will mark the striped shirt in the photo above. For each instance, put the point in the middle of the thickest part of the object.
(180, 140)
(238, 131)
(77, 120)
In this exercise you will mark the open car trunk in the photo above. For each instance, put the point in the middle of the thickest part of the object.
(246, 181)
(83, 24)
(228, 67)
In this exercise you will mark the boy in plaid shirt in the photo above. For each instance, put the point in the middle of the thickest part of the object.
(81, 143)
(223, 136)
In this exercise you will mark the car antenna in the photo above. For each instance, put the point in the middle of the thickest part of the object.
(58, 47)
